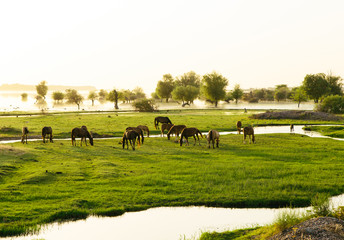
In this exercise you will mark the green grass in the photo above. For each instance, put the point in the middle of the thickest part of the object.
(330, 131)
(42, 183)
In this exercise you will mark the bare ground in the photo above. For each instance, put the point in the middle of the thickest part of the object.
(300, 115)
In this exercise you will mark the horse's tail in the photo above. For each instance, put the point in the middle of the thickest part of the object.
(123, 141)
(155, 122)
(200, 133)
(181, 138)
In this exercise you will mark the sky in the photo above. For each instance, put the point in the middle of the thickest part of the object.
(125, 44)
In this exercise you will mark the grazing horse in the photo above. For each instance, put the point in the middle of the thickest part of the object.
(176, 129)
(138, 130)
(161, 120)
(238, 126)
(190, 132)
(250, 132)
(25, 131)
(81, 133)
(130, 135)
(291, 128)
(144, 129)
(165, 126)
(47, 131)
(213, 136)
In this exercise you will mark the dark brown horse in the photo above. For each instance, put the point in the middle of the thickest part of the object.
(176, 130)
(144, 128)
(25, 131)
(165, 126)
(158, 120)
(248, 131)
(213, 136)
(238, 126)
(190, 132)
(130, 135)
(291, 128)
(82, 133)
(47, 131)
(138, 130)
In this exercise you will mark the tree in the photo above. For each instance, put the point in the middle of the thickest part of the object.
(165, 87)
(190, 78)
(332, 104)
(92, 96)
(58, 96)
(334, 84)
(281, 92)
(228, 97)
(73, 96)
(299, 95)
(237, 93)
(24, 97)
(315, 86)
(214, 87)
(187, 94)
(138, 93)
(42, 89)
(113, 96)
(102, 95)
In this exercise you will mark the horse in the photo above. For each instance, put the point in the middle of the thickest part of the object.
(47, 131)
(81, 133)
(176, 129)
(248, 131)
(130, 135)
(238, 125)
(161, 120)
(25, 131)
(138, 130)
(291, 128)
(190, 132)
(165, 126)
(144, 129)
(213, 136)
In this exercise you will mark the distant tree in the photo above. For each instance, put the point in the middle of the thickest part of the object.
(138, 93)
(73, 96)
(102, 95)
(155, 96)
(190, 78)
(332, 104)
(127, 96)
(42, 89)
(165, 87)
(214, 87)
(113, 96)
(237, 93)
(299, 95)
(315, 86)
(250, 97)
(187, 94)
(144, 105)
(228, 97)
(92, 96)
(24, 97)
(334, 84)
(58, 96)
(259, 93)
(281, 92)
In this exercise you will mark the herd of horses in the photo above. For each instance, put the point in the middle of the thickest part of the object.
(133, 135)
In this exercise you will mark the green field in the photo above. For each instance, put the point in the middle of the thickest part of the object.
(41, 183)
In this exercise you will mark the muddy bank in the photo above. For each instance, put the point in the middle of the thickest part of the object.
(299, 115)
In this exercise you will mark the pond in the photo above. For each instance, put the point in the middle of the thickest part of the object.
(172, 222)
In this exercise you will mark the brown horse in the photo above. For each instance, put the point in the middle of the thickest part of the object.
(213, 136)
(291, 128)
(190, 132)
(248, 131)
(144, 128)
(161, 120)
(238, 126)
(138, 130)
(47, 131)
(25, 131)
(165, 126)
(176, 130)
(130, 135)
(81, 133)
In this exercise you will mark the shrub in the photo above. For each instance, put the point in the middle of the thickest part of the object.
(288, 218)
(321, 205)
(332, 104)
(144, 105)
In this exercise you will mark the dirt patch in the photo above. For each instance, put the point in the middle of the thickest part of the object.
(317, 228)
(8, 150)
(300, 115)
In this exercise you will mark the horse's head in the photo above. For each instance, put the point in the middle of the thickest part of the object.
(91, 138)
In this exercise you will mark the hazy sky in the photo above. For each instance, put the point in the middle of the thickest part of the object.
(129, 43)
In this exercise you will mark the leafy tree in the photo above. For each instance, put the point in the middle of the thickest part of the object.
(237, 93)
(281, 92)
(332, 104)
(92, 96)
(155, 96)
(58, 96)
(24, 97)
(113, 96)
(187, 94)
(127, 96)
(214, 87)
(42, 89)
(335, 84)
(299, 95)
(228, 97)
(250, 97)
(73, 96)
(102, 95)
(315, 86)
(138, 93)
(190, 78)
(165, 87)
(144, 105)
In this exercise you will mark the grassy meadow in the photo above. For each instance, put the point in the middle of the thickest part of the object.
(42, 183)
